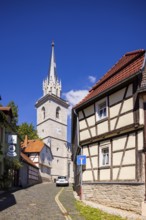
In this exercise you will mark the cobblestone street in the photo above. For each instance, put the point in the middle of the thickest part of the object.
(37, 203)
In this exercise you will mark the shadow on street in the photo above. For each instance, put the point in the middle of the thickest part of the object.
(7, 200)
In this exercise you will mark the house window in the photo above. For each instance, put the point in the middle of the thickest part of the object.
(43, 112)
(57, 112)
(104, 156)
(101, 110)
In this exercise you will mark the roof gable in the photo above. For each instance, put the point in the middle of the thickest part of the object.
(129, 65)
(28, 160)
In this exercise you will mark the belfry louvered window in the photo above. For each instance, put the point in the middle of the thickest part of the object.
(43, 112)
(58, 112)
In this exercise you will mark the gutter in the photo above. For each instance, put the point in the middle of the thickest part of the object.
(94, 98)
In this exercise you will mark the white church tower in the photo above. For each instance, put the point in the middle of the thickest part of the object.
(52, 121)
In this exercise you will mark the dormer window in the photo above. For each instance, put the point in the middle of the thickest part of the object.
(57, 112)
(43, 112)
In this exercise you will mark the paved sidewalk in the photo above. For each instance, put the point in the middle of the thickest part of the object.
(118, 212)
(68, 200)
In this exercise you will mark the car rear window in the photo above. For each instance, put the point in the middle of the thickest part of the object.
(61, 177)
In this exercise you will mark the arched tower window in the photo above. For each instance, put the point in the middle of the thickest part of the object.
(43, 112)
(57, 112)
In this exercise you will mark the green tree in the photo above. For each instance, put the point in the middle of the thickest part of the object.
(27, 129)
(14, 108)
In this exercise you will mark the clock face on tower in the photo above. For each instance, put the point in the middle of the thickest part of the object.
(58, 130)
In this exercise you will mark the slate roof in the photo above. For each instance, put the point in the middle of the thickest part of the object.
(129, 65)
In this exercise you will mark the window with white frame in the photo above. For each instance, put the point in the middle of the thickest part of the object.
(105, 156)
(101, 109)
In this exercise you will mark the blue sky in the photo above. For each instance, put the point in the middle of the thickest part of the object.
(89, 35)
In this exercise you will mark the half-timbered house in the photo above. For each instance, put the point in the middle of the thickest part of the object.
(109, 128)
(29, 172)
(41, 155)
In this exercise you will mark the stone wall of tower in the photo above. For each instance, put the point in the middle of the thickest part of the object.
(59, 164)
(53, 131)
(50, 125)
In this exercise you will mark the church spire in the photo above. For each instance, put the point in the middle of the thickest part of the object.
(52, 85)
(52, 71)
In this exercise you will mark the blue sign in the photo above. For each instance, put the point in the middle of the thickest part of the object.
(81, 160)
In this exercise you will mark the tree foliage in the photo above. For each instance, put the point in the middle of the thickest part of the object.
(27, 129)
(24, 128)
(14, 108)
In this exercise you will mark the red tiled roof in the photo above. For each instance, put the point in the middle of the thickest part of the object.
(130, 64)
(28, 160)
(33, 146)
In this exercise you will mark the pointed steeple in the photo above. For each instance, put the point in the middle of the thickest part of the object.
(52, 85)
(52, 71)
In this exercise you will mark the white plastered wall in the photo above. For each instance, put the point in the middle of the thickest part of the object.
(89, 110)
(102, 128)
(126, 173)
(105, 174)
(141, 111)
(84, 135)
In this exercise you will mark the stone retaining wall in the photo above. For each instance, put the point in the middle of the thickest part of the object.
(128, 197)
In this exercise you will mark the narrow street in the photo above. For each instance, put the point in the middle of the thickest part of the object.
(40, 202)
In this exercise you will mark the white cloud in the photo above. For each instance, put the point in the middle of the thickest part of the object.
(74, 96)
(92, 79)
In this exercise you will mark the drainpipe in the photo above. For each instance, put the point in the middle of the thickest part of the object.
(77, 129)
(81, 175)
(144, 104)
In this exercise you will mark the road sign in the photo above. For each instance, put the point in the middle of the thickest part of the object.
(12, 139)
(81, 160)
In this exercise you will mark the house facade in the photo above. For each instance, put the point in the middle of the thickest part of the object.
(41, 156)
(9, 150)
(29, 172)
(109, 128)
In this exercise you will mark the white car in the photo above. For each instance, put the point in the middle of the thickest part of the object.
(62, 181)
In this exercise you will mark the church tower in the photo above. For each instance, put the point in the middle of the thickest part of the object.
(52, 120)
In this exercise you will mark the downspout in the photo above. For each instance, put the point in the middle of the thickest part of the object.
(77, 129)
(77, 123)
(144, 104)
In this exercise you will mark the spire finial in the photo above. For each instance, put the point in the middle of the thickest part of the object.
(52, 43)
